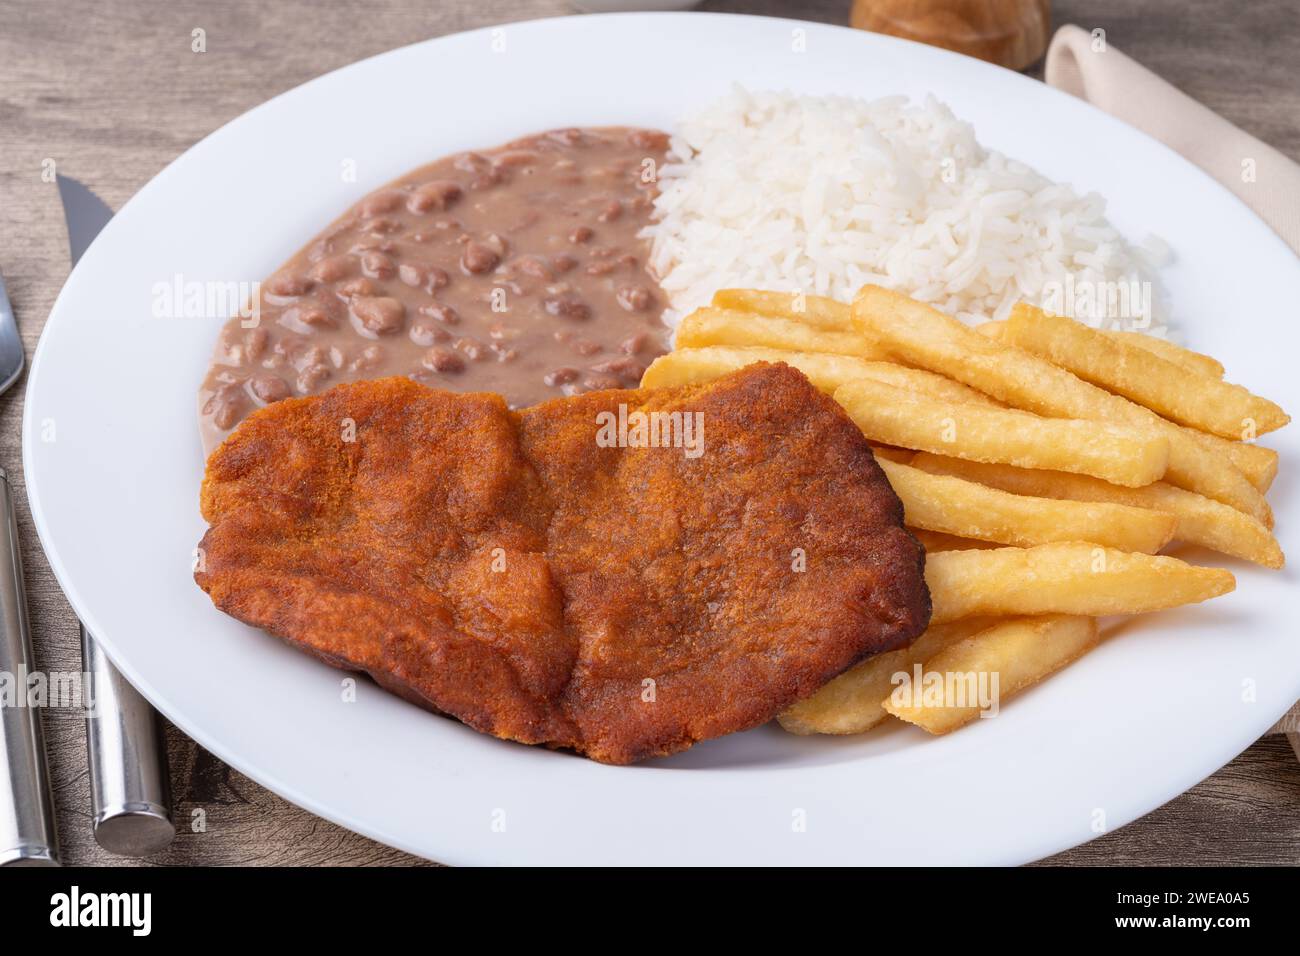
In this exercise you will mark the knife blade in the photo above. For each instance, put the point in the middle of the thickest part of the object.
(130, 789)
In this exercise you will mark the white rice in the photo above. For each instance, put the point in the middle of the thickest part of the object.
(825, 194)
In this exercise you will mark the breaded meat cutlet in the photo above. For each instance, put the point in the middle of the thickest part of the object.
(513, 571)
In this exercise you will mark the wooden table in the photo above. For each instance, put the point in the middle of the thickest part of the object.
(112, 93)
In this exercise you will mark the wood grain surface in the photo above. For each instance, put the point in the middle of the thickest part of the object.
(113, 93)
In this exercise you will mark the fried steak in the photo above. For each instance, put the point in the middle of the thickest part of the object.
(506, 569)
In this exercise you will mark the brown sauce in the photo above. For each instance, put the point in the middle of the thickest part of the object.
(515, 270)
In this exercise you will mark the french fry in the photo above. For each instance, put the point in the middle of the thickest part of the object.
(935, 541)
(1257, 463)
(924, 337)
(1070, 578)
(972, 510)
(714, 326)
(1200, 520)
(1192, 361)
(1169, 390)
(827, 371)
(852, 703)
(889, 415)
(815, 310)
(1020, 653)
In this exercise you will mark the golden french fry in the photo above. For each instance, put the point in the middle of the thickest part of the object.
(1069, 578)
(812, 309)
(851, 703)
(958, 684)
(924, 337)
(894, 417)
(1200, 520)
(971, 510)
(827, 371)
(727, 327)
(934, 541)
(1192, 361)
(1257, 463)
(1169, 390)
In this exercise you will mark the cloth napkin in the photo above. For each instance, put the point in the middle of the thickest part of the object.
(1267, 181)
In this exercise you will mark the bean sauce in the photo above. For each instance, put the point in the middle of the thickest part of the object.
(514, 270)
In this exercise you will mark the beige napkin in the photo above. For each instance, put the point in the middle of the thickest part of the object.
(1093, 70)
(1268, 182)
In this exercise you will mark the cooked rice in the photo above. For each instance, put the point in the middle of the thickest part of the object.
(824, 194)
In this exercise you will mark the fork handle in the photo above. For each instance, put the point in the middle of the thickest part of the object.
(27, 827)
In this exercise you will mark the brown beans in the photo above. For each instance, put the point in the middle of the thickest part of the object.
(379, 314)
(255, 342)
(428, 333)
(269, 388)
(376, 265)
(432, 277)
(289, 286)
(515, 158)
(598, 381)
(309, 317)
(534, 266)
(381, 226)
(567, 137)
(567, 307)
(376, 204)
(371, 357)
(635, 298)
(441, 313)
(310, 378)
(438, 195)
(478, 258)
(227, 413)
(624, 368)
(353, 287)
(422, 276)
(471, 162)
(443, 360)
(334, 268)
(227, 405)
(560, 376)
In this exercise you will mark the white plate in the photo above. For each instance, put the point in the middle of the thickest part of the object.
(114, 494)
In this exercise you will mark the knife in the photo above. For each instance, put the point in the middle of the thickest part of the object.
(130, 790)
